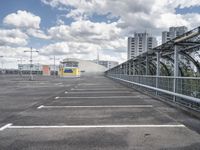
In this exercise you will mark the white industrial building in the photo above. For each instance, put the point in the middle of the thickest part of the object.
(26, 67)
(140, 43)
(36, 67)
(107, 64)
(87, 66)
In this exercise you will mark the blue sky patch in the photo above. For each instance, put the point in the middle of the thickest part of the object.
(186, 10)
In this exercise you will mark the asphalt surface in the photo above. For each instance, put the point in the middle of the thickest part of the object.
(88, 113)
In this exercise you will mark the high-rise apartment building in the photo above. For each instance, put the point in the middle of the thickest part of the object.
(140, 43)
(173, 33)
(165, 36)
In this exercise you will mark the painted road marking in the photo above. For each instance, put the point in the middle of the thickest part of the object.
(95, 84)
(5, 127)
(39, 107)
(93, 89)
(10, 126)
(99, 106)
(58, 83)
(97, 97)
(96, 92)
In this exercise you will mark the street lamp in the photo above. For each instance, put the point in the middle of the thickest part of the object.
(54, 64)
(31, 61)
(1, 62)
(20, 65)
(97, 56)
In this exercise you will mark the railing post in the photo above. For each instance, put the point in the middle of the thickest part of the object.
(157, 70)
(139, 66)
(147, 66)
(129, 68)
(176, 61)
(126, 68)
(133, 68)
(121, 69)
(125, 71)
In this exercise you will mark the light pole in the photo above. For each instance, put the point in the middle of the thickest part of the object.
(31, 61)
(20, 65)
(97, 56)
(1, 64)
(54, 65)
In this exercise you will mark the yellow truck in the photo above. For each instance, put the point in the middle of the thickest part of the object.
(69, 72)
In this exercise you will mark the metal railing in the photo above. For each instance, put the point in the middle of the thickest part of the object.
(144, 71)
(186, 92)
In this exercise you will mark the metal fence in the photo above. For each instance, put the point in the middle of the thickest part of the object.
(186, 90)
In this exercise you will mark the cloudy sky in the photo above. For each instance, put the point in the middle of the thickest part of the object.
(80, 28)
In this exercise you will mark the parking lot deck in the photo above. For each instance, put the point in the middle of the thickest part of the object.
(91, 112)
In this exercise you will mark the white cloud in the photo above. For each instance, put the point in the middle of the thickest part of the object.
(88, 32)
(38, 34)
(185, 3)
(82, 50)
(82, 38)
(86, 37)
(69, 48)
(120, 57)
(135, 15)
(22, 19)
(153, 16)
(58, 3)
(61, 32)
(193, 20)
(61, 48)
(14, 53)
(12, 37)
(60, 22)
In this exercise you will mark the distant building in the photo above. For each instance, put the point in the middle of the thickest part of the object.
(26, 67)
(165, 36)
(76, 67)
(107, 64)
(36, 67)
(173, 33)
(46, 70)
(140, 43)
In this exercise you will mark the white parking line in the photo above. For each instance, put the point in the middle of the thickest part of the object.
(40, 107)
(95, 126)
(95, 89)
(96, 92)
(97, 97)
(6, 126)
(95, 84)
(99, 106)
(58, 83)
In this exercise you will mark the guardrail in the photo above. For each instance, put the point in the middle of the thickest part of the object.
(186, 92)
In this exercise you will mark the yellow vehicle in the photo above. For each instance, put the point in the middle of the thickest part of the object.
(69, 72)
(69, 69)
